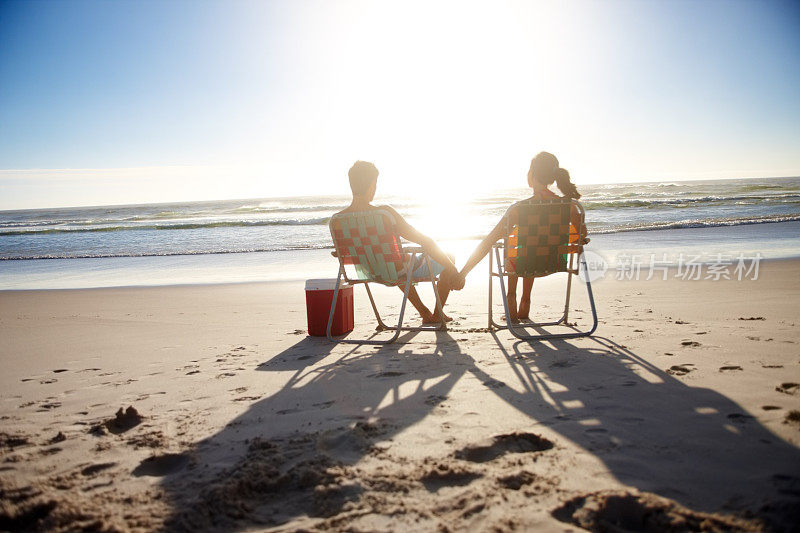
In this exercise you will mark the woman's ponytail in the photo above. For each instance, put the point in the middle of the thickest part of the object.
(565, 185)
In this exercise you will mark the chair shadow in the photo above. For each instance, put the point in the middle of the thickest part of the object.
(273, 463)
(263, 466)
(651, 430)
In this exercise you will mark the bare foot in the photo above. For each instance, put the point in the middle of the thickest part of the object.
(434, 319)
(514, 320)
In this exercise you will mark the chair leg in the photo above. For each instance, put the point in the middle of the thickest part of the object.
(591, 295)
(503, 294)
(381, 324)
(569, 287)
(397, 329)
(545, 336)
(333, 305)
(499, 274)
(491, 322)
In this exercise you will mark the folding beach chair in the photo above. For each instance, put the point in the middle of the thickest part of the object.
(538, 243)
(370, 251)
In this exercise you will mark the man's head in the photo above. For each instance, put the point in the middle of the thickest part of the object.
(363, 179)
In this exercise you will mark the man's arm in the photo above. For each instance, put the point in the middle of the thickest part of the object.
(429, 246)
(485, 246)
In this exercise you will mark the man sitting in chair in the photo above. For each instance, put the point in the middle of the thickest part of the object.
(363, 183)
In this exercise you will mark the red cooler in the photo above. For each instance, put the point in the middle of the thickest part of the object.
(319, 295)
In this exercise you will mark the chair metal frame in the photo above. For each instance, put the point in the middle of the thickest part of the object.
(414, 253)
(518, 329)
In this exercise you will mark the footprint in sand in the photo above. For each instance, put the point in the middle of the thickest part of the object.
(770, 407)
(247, 398)
(494, 384)
(434, 399)
(94, 469)
(8, 440)
(446, 475)
(518, 480)
(729, 367)
(621, 511)
(48, 406)
(792, 417)
(739, 417)
(500, 445)
(389, 374)
(787, 388)
(692, 344)
(161, 465)
(680, 370)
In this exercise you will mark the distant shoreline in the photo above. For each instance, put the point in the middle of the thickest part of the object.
(388, 194)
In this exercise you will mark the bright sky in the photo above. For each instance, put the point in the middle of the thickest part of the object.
(128, 102)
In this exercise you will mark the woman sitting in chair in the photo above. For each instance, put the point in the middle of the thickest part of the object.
(543, 172)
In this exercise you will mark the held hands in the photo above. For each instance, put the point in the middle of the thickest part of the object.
(455, 279)
(458, 281)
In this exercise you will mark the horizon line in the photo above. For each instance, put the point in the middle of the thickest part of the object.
(283, 197)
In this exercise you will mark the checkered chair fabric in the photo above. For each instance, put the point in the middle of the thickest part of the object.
(539, 238)
(369, 242)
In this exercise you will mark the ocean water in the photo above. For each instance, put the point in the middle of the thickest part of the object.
(37, 246)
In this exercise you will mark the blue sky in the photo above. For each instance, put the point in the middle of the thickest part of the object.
(127, 102)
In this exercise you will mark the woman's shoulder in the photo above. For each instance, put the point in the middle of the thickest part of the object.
(546, 193)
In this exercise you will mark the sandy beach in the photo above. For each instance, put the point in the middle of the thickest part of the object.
(676, 415)
(173, 174)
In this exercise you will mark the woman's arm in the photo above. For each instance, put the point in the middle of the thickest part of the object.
(485, 246)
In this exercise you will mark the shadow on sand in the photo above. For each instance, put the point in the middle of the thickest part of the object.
(338, 406)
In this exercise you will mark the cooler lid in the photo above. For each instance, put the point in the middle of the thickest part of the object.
(325, 284)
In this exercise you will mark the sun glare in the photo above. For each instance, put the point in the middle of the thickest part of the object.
(408, 88)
